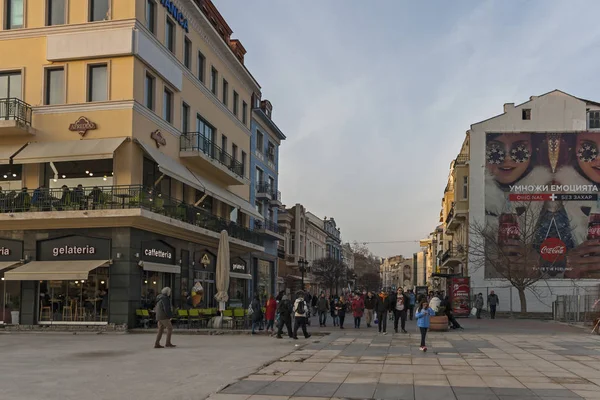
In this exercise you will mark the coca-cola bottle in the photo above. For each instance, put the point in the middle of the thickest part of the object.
(594, 226)
(508, 228)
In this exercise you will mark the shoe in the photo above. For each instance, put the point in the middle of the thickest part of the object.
(385, 333)
(308, 337)
(295, 338)
(341, 327)
(368, 325)
(279, 337)
(170, 345)
(158, 346)
(396, 330)
(424, 348)
(404, 331)
(421, 348)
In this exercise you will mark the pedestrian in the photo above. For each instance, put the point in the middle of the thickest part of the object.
(334, 311)
(493, 301)
(300, 313)
(411, 304)
(448, 311)
(479, 305)
(399, 303)
(341, 310)
(424, 313)
(370, 302)
(164, 314)
(257, 314)
(285, 316)
(270, 309)
(382, 308)
(322, 309)
(358, 308)
(314, 300)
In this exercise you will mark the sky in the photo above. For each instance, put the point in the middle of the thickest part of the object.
(375, 97)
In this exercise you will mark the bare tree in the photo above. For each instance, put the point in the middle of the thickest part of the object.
(329, 272)
(370, 281)
(516, 247)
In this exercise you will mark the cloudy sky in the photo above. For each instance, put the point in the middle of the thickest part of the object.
(375, 96)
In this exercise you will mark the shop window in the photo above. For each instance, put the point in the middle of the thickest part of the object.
(11, 299)
(152, 284)
(238, 293)
(207, 280)
(87, 173)
(264, 280)
(10, 180)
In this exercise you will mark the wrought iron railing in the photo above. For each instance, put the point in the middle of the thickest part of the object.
(195, 141)
(268, 225)
(263, 187)
(15, 109)
(276, 195)
(120, 197)
(450, 214)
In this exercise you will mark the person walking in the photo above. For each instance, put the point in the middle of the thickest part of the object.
(493, 301)
(322, 309)
(358, 308)
(449, 314)
(300, 313)
(479, 305)
(164, 313)
(334, 311)
(412, 299)
(382, 307)
(341, 308)
(257, 314)
(423, 315)
(370, 303)
(270, 309)
(314, 301)
(399, 303)
(285, 317)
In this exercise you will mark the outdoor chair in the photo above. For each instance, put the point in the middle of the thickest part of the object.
(194, 317)
(143, 320)
(183, 317)
(239, 318)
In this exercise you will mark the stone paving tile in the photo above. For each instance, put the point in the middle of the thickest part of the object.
(362, 377)
(520, 392)
(280, 388)
(433, 393)
(386, 391)
(221, 396)
(318, 389)
(263, 397)
(245, 387)
(356, 391)
(565, 393)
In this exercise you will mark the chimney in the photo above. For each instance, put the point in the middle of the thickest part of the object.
(508, 106)
(267, 107)
(238, 49)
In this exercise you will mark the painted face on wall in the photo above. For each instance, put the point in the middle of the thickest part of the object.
(586, 151)
(508, 156)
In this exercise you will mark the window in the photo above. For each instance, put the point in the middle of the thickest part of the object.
(99, 10)
(258, 206)
(151, 15)
(185, 118)
(271, 183)
(170, 35)
(55, 12)
(259, 176)
(149, 92)
(168, 105)
(465, 188)
(243, 163)
(244, 112)
(213, 80)
(223, 147)
(526, 113)
(97, 83)
(10, 85)
(236, 99)
(225, 91)
(205, 129)
(201, 66)
(594, 119)
(15, 14)
(55, 86)
(234, 151)
(271, 152)
(187, 53)
(260, 145)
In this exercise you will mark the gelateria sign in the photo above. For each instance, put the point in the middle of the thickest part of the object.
(176, 13)
(74, 247)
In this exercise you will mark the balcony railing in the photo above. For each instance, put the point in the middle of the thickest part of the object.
(15, 109)
(276, 195)
(269, 226)
(450, 214)
(263, 187)
(121, 197)
(195, 141)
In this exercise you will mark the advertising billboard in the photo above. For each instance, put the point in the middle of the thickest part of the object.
(541, 197)
(459, 296)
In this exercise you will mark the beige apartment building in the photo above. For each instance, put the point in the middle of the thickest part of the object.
(124, 151)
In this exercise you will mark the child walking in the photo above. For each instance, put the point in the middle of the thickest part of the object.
(423, 314)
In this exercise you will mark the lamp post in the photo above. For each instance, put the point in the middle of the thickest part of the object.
(302, 264)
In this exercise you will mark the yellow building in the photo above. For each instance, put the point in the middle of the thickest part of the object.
(124, 151)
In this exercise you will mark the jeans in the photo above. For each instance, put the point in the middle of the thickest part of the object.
(423, 334)
(322, 317)
(411, 311)
(300, 323)
(493, 311)
(255, 325)
(342, 317)
(287, 321)
(336, 320)
(402, 316)
(383, 317)
(357, 322)
(162, 325)
(369, 316)
(270, 324)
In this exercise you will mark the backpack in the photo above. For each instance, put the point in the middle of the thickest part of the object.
(250, 310)
(300, 309)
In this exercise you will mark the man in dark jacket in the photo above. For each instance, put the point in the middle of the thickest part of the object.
(285, 316)
(399, 303)
(382, 307)
(493, 302)
(163, 317)
(257, 314)
(322, 308)
(370, 303)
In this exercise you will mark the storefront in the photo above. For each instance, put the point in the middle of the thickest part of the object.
(203, 278)
(71, 276)
(239, 279)
(159, 268)
(11, 254)
(265, 282)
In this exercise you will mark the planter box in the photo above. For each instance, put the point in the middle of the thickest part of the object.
(438, 323)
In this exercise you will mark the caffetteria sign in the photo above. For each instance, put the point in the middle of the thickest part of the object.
(176, 13)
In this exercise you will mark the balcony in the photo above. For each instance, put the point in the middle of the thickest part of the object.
(114, 206)
(452, 257)
(462, 159)
(276, 198)
(15, 118)
(263, 191)
(205, 154)
(456, 216)
(269, 228)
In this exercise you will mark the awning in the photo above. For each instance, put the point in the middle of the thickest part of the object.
(240, 276)
(158, 267)
(69, 150)
(174, 169)
(8, 264)
(6, 152)
(54, 270)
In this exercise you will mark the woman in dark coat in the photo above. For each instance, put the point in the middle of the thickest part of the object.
(256, 313)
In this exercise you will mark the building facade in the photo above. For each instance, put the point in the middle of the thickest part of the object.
(294, 225)
(316, 238)
(125, 134)
(334, 239)
(396, 272)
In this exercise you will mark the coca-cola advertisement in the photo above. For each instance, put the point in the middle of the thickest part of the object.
(459, 292)
(541, 197)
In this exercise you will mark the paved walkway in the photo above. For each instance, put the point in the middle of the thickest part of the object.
(500, 359)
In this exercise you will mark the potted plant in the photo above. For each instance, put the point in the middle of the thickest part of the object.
(15, 307)
(439, 322)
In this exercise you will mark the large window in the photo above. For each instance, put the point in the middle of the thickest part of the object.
(244, 113)
(207, 280)
(259, 176)
(170, 35)
(243, 161)
(187, 53)
(205, 129)
(99, 10)
(152, 284)
(260, 144)
(168, 105)
(271, 152)
(214, 75)
(97, 83)
(151, 15)
(225, 92)
(55, 12)
(185, 118)
(465, 188)
(201, 67)
(594, 119)
(55, 86)
(14, 14)
(10, 85)
(149, 91)
(236, 100)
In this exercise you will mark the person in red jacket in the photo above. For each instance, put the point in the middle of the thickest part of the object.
(270, 313)
(358, 307)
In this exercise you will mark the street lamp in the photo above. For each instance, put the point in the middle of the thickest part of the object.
(302, 263)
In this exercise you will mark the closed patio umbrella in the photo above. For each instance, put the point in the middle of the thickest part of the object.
(222, 273)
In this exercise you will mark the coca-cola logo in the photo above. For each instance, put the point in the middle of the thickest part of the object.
(594, 232)
(510, 230)
(553, 249)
